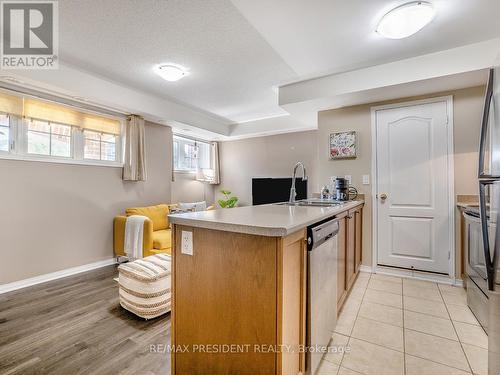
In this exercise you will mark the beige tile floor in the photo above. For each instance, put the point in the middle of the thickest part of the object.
(401, 326)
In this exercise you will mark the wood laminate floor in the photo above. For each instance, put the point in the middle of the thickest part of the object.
(76, 326)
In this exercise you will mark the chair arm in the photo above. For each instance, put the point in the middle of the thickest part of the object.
(119, 235)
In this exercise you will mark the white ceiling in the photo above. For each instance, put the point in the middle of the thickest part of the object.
(239, 52)
(330, 36)
(232, 68)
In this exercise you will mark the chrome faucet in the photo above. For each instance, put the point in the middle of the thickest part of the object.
(293, 193)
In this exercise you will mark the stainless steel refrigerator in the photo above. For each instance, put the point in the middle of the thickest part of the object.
(483, 288)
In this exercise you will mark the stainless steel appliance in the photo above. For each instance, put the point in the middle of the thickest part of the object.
(476, 268)
(484, 273)
(321, 289)
(343, 190)
(494, 301)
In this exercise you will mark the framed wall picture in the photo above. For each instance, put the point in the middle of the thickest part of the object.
(343, 145)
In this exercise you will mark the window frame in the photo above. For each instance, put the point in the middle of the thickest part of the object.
(12, 133)
(18, 150)
(26, 131)
(189, 171)
(118, 147)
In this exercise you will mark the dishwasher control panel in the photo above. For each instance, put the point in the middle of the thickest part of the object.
(321, 232)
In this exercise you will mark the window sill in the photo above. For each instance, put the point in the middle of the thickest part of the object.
(184, 171)
(94, 163)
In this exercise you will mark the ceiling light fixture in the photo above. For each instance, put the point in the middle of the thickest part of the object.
(406, 20)
(171, 72)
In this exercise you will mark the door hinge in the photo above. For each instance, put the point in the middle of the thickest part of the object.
(449, 255)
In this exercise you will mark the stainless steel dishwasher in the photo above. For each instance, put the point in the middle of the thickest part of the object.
(321, 289)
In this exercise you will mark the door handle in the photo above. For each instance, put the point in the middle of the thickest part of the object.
(484, 125)
(383, 196)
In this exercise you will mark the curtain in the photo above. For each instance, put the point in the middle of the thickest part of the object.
(172, 155)
(134, 168)
(216, 159)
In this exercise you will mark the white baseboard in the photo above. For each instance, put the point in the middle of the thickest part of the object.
(363, 268)
(5, 288)
(424, 276)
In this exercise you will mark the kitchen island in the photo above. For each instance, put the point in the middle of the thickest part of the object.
(239, 285)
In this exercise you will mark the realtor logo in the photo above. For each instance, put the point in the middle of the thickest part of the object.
(29, 34)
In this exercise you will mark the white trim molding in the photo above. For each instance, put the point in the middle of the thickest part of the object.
(418, 275)
(451, 186)
(364, 268)
(5, 288)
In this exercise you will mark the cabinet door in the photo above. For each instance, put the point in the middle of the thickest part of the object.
(358, 227)
(341, 262)
(351, 249)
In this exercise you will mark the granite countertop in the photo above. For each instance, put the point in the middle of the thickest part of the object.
(266, 220)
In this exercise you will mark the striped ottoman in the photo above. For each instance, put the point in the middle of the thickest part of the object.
(145, 286)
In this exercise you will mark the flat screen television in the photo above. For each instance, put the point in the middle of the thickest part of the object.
(275, 190)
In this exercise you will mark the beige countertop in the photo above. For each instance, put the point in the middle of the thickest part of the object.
(266, 220)
(467, 204)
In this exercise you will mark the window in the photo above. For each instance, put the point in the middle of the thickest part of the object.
(35, 129)
(4, 132)
(189, 155)
(45, 138)
(99, 146)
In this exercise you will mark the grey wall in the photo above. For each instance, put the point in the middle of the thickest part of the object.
(57, 216)
(185, 188)
(272, 156)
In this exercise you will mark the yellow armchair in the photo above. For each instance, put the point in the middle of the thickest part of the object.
(157, 233)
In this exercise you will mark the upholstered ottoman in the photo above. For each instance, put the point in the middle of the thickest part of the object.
(145, 286)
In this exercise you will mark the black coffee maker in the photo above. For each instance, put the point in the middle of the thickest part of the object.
(344, 192)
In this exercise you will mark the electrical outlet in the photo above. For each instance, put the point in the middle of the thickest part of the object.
(187, 243)
(366, 179)
(348, 177)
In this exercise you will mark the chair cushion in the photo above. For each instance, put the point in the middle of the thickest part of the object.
(157, 214)
(162, 239)
(195, 206)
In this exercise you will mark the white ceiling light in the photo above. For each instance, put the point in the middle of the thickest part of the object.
(171, 72)
(406, 20)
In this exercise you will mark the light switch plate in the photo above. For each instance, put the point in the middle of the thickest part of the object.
(348, 177)
(187, 242)
(366, 179)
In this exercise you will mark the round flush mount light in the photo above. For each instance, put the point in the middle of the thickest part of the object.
(171, 72)
(406, 20)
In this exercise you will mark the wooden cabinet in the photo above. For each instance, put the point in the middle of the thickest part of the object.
(349, 251)
(248, 290)
(358, 237)
(238, 289)
(341, 260)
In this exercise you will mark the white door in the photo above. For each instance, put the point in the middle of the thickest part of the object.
(414, 221)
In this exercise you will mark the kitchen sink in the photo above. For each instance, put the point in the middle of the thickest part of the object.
(312, 203)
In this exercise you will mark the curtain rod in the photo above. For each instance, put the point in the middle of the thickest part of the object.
(61, 100)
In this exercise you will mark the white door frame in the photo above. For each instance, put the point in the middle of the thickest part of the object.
(451, 191)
